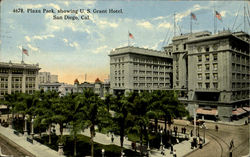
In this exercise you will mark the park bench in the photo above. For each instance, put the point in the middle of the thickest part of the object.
(29, 140)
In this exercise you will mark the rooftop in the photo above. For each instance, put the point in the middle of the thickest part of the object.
(138, 50)
(19, 65)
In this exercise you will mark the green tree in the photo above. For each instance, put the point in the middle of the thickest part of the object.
(93, 111)
(123, 118)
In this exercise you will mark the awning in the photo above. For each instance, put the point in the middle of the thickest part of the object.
(207, 112)
(246, 109)
(238, 111)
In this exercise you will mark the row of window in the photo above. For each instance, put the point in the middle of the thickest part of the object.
(155, 67)
(156, 85)
(240, 68)
(207, 57)
(240, 76)
(150, 78)
(240, 85)
(151, 61)
(119, 72)
(119, 65)
(240, 58)
(150, 72)
(207, 85)
(207, 76)
(239, 95)
(207, 67)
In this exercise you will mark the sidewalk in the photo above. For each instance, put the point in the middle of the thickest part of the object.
(36, 148)
(182, 149)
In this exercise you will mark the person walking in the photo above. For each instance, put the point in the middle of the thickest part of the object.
(216, 127)
(174, 154)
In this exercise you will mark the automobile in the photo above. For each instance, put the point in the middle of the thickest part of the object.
(198, 122)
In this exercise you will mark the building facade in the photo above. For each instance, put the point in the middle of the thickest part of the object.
(213, 70)
(15, 77)
(50, 86)
(46, 77)
(139, 69)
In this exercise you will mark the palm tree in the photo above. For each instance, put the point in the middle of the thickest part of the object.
(140, 112)
(123, 118)
(93, 111)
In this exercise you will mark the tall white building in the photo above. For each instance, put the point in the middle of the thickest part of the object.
(213, 72)
(138, 69)
(16, 77)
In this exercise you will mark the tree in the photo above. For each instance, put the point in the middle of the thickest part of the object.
(140, 113)
(93, 111)
(123, 117)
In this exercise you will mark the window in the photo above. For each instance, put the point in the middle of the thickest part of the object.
(215, 57)
(207, 67)
(215, 66)
(199, 85)
(199, 67)
(215, 85)
(199, 58)
(207, 85)
(207, 49)
(200, 76)
(207, 76)
(215, 76)
(207, 57)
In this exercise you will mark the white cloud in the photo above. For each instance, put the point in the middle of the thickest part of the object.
(54, 6)
(145, 24)
(36, 6)
(106, 23)
(42, 37)
(32, 48)
(159, 18)
(223, 13)
(65, 40)
(100, 49)
(27, 38)
(74, 44)
(165, 25)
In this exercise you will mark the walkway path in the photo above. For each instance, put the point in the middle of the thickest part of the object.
(182, 148)
(36, 148)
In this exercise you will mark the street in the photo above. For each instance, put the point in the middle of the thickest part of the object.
(220, 140)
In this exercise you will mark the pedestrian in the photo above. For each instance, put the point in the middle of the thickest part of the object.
(174, 154)
(112, 138)
(216, 127)
(231, 144)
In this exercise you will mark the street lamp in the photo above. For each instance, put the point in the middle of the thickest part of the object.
(161, 143)
(204, 127)
(32, 128)
(103, 151)
(25, 126)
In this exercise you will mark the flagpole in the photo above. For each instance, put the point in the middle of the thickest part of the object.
(214, 21)
(190, 24)
(128, 37)
(22, 54)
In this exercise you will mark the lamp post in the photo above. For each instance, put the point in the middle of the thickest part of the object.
(25, 126)
(161, 143)
(103, 151)
(32, 128)
(204, 127)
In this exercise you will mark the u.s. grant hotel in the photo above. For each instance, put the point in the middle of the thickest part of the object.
(210, 71)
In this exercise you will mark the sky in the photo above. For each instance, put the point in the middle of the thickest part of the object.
(72, 48)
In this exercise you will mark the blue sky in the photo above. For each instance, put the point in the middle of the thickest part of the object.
(71, 49)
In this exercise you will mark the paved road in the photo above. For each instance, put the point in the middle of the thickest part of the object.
(220, 141)
(10, 149)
